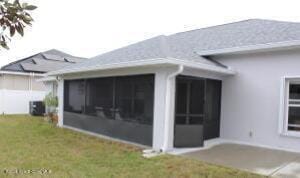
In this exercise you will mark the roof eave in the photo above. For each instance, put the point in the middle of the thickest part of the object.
(21, 73)
(202, 66)
(251, 48)
(148, 62)
(47, 79)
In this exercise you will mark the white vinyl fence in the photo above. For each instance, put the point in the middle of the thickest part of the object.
(17, 101)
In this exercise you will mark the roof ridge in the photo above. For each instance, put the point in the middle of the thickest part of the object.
(213, 26)
(240, 21)
(274, 20)
(132, 44)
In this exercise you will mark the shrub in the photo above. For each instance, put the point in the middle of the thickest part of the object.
(51, 102)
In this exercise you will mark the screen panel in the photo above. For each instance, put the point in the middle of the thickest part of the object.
(99, 97)
(120, 107)
(74, 96)
(135, 99)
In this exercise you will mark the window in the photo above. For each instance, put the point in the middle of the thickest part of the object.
(293, 119)
(291, 114)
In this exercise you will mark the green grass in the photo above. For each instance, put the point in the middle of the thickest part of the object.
(31, 143)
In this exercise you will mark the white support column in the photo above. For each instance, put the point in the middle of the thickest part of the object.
(159, 109)
(164, 109)
(60, 95)
(170, 110)
(169, 140)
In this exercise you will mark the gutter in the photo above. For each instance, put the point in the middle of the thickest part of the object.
(118, 65)
(146, 62)
(168, 107)
(21, 73)
(47, 79)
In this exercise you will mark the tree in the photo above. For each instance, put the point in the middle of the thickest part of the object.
(14, 17)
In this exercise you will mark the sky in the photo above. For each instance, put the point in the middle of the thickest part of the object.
(92, 27)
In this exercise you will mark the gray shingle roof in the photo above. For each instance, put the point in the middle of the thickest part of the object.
(240, 34)
(43, 62)
(153, 48)
(185, 45)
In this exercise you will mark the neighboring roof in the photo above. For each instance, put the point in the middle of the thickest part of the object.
(43, 62)
(186, 46)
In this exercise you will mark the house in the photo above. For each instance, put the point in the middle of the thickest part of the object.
(238, 82)
(18, 80)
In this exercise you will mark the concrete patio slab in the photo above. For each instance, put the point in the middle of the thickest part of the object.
(292, 170)
(253, 159)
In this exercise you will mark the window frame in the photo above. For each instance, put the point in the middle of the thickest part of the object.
(284, 106)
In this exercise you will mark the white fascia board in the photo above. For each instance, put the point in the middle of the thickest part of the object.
(47, 79)
(21, 73)
(249, 48)
(109, 66)
(148, 62)
(202, 66)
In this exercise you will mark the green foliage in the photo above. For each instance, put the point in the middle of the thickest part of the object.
(50, 100)
(14, 17)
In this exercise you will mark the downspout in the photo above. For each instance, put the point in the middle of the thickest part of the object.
(60, 97)
(32, 81)
(168, 107)
(31, 76)
(29, 91)
(57, 79)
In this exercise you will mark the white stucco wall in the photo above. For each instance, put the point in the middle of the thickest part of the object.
(251, 98)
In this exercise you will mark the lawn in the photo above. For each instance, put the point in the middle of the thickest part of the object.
(30, 143)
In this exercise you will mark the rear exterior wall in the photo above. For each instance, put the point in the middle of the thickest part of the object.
(251, 99)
